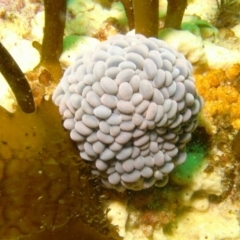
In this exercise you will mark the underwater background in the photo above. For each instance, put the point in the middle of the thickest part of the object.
(47, 191)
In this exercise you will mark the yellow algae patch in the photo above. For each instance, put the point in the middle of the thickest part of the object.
(44, 185)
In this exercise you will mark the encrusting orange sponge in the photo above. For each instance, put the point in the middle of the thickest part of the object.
(220, 91)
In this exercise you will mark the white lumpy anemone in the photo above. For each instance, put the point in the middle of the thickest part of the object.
(131, 106)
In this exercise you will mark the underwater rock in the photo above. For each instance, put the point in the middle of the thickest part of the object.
(193, 50)
(220, 57)
(89, 18)
(162, 100)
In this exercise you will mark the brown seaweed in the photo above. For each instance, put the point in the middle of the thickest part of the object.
(16, 80)
(52, 45)
(146, 17)
(128, 6)
(143, 15)
(175, 11)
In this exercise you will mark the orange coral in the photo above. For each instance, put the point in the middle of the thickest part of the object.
(221, 93)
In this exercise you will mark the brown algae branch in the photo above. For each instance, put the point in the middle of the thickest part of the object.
(16, 80)
(142, 16)
(52, 44)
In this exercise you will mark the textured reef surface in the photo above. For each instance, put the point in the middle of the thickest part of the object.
(49, 192)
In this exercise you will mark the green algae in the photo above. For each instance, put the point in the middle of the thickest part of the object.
(71, 41)
(196, 150)
(199, 27)
(186, 171)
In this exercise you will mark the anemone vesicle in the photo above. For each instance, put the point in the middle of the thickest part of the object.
(131, 106)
